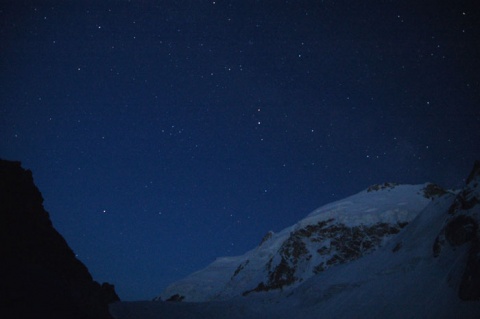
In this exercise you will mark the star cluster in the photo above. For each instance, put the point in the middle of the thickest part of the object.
(164, 135)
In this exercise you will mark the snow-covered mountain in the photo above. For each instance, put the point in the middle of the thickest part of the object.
(396, 251)
(333, 234)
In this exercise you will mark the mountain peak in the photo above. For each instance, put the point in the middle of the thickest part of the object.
(333, 234)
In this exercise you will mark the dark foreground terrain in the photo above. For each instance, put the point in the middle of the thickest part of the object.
(39, 273)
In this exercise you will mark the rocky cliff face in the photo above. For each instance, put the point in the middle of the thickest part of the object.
(462, 228)
(332, 244)
(40, 276)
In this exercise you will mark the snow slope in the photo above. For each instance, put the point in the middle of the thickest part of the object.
(403, 279)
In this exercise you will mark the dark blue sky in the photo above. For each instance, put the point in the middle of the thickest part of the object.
(165, 135)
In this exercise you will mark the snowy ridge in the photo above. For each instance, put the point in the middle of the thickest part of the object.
(333, 234)
(390, 204)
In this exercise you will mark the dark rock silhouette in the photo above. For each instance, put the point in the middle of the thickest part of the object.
(467, 226)
(462, 227)
(40, 275)
(176, 298)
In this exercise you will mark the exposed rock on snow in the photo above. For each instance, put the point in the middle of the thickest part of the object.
(337, 243)
(462, 227)
(266, 237)
(377, 187)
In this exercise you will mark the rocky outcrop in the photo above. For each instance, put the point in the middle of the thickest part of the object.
(332, 243)
(266, 237)
(433, 190)
(462, 228)
(377, 187)
(40, 275)
(176, 298)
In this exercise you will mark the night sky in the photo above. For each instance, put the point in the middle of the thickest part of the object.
(164, 134)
